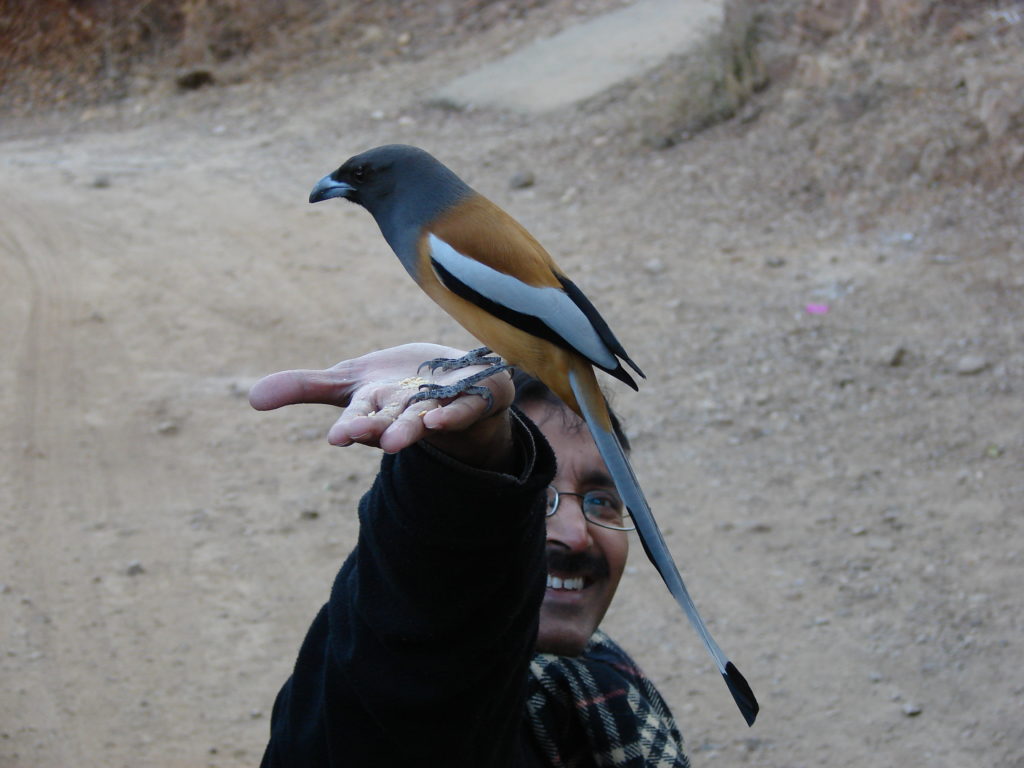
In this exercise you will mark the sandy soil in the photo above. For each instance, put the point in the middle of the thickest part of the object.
(842, 489)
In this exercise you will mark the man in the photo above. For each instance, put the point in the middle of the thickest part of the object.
(462, 630)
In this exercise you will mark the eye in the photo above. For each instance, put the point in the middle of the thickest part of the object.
(604, 505)
(360, 173)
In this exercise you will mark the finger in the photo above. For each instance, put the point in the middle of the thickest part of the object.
(330, 387)
(408, 428)
(459, 414)
(362, 422)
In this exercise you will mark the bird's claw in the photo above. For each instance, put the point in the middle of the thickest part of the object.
(479, 356)
(467, 386)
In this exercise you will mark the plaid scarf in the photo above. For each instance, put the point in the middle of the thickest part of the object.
(600, 710)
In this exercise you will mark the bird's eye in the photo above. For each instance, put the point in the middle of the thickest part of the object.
(359, 173)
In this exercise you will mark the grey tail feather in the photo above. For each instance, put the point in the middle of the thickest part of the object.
(654, 544)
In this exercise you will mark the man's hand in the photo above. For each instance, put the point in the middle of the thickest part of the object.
(375, 389)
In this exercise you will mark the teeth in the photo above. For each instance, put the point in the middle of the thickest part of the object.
(554, 582)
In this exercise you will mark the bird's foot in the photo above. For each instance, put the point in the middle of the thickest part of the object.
(467, 386)
(479, 356)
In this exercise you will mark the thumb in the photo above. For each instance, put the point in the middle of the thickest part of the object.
(328, 387)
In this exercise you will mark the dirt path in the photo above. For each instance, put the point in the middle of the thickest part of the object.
(848, 514)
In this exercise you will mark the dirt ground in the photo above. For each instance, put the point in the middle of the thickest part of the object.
(825, 293)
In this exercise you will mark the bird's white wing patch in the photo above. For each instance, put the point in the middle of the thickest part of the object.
(549, 305)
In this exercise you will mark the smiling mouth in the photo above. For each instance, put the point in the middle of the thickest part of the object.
(569, 584)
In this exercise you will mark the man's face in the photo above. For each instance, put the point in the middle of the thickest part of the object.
(576, 548)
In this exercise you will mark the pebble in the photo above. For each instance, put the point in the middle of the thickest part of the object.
(968, 365)
(522, 180)
(240, 387)
(893, 355)
(194, 79)
(911, 710)
(134, 568)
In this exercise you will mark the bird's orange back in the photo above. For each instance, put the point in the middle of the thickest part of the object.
(481, 230)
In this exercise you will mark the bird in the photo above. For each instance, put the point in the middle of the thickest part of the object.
(494, 278)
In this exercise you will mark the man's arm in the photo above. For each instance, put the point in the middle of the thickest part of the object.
(422, 650)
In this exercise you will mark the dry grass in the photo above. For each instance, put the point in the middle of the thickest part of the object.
(54, 51)
(722, 74)
(60, 52)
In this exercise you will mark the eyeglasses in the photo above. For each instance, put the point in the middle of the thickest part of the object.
(602, 508)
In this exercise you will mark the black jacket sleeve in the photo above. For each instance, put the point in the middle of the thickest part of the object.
(421, 655)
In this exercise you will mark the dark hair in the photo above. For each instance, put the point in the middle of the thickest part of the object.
(533, 390)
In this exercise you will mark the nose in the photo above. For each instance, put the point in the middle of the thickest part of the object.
(568, 526)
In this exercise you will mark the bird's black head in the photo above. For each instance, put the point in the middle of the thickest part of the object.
(375, 177)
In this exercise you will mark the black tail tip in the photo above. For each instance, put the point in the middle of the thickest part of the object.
(741, 693)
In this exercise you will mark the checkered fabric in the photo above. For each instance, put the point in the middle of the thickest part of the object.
(600, 710)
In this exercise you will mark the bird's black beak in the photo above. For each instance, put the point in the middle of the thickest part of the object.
(328, 187)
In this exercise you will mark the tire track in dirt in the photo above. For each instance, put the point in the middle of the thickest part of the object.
(36, 309)
(55, 482)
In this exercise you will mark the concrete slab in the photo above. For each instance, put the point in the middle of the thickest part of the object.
(586, 59)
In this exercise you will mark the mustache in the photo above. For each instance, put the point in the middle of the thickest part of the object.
(594, 566)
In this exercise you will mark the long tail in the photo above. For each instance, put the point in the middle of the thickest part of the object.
(595, 411)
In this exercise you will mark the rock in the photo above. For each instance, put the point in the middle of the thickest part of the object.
(134, 568)
(1014, 157)
(654, 266)
(774, 261)
(893, 355)
(932, 158)
(522, 180)
(911, 709)
(996, 111)
(194, 79)
(966, 30)
(101, 182)
(659, 140)
(969, 365)
(749, 113)
(239, 387)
